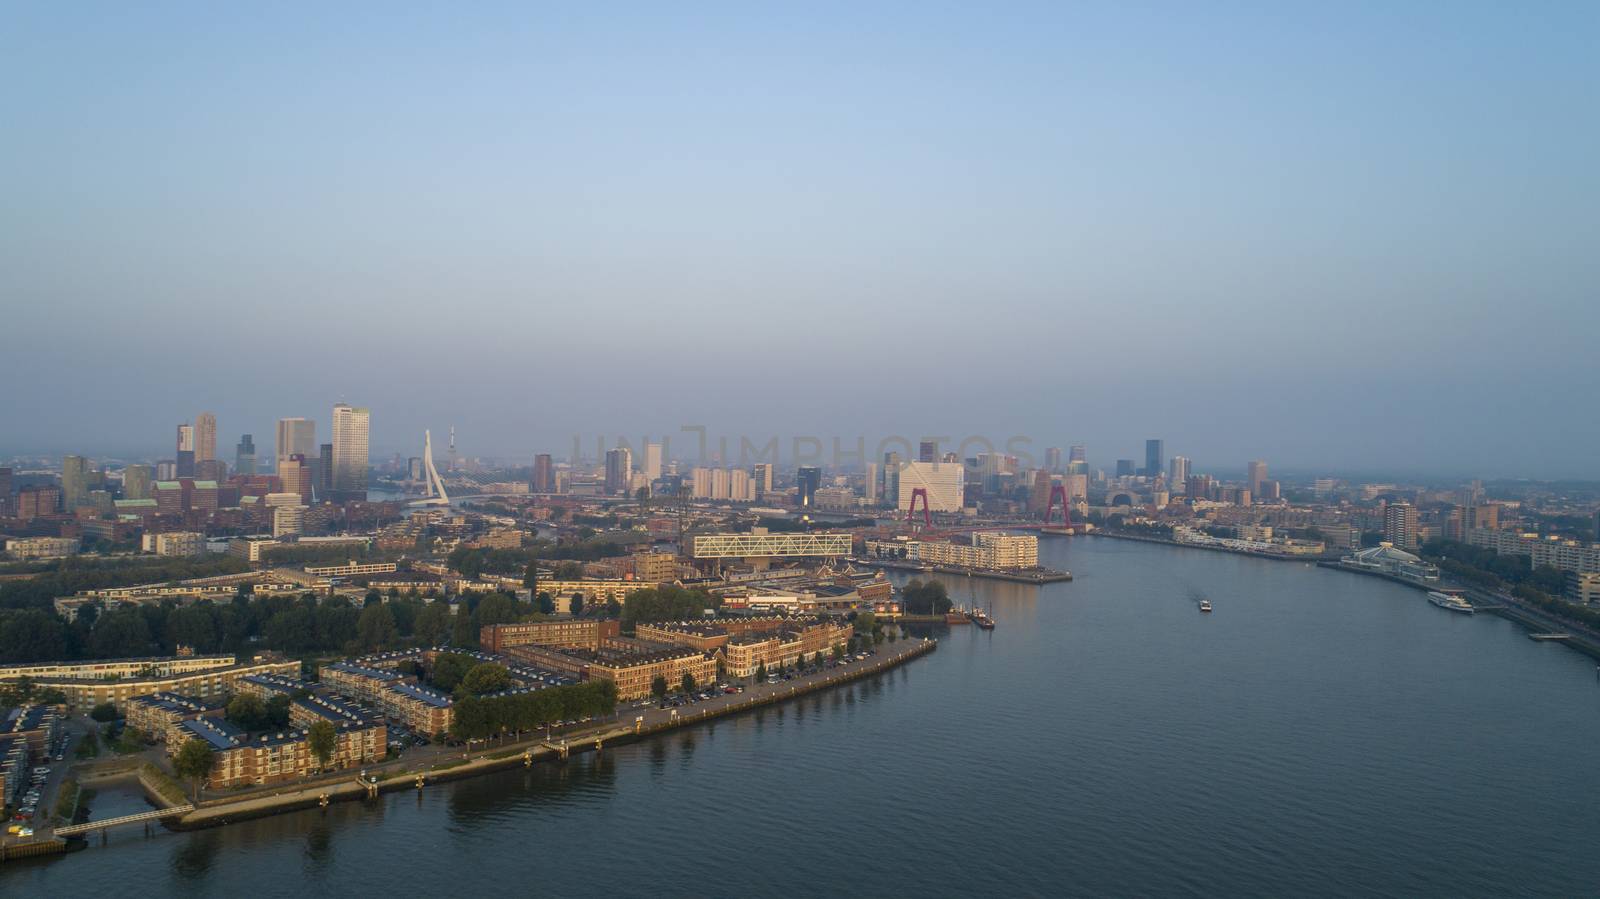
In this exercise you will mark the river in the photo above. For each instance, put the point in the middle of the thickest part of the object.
(1319, 734)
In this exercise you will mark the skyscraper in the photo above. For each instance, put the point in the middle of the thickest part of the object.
(807, 479)
(1256, 475)
(205, 436)
(619, 470)
(1078, 453)
(928, 451)
(244, 456)
(1153, 452)
(652, 461)
(185, 457)
(761, 473)
(74, 482)
(891, 479)
(323, 472)
(350, 426)
(5, 488)
(296, 476)
(295, 435)
(544, 474)
(1178, 472)
(1052, 460)
(136, 480)
(1124, 468)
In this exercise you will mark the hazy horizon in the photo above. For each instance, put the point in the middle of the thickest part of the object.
(1353, 238)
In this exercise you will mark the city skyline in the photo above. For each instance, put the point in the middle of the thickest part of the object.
(1319, 277)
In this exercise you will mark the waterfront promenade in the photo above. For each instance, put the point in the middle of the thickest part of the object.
(419, 769)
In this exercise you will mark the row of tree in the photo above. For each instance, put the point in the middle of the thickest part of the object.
(666, 603)
(296, 625)
(479, 718)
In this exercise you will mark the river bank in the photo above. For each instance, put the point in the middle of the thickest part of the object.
(532, 750)
(1047, 576)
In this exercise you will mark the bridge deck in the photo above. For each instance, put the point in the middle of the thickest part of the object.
(152, 815)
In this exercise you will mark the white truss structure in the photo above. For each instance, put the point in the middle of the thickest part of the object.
(745, 546)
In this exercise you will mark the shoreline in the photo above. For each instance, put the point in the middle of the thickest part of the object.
(1048, 577)
(523, 753)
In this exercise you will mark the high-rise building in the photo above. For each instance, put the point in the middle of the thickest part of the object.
(322, 472)
(211, 470)
(1078, 454)
(544, 474)
(928, 451)
(807, 479)
(136, 481)
(1124, 468)
(295, 436)
(761, 473)
(619, 470)
(205, 436)
(1052, 459)
(185, 453)
(741, 488)
(74, 482)
(1154, 450)
(873, 482)
(652, 461)
(1400, 525)
(1178, 472)
(244, 456)
(295, 475)
(350, 427)
(5, 488)
(1256, 475)
(1197, 486)
(942, 482)
(891, 479)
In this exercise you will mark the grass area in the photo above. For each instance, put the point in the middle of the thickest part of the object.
(89, 747)
(67, 800)
(163, 784)
(129, 741)
(447, 764)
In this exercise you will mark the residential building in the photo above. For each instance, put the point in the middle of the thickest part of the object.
(942, 482)
(88, 684)
(74, 482)
(1400, 525)
(205, 437)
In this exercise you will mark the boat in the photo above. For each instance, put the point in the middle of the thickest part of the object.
(957, 615)
(1205, 605)
(1450, 600)
(982, 619)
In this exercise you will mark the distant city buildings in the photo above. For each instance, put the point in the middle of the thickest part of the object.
(544, 474)
(244, 456)
(1154, 451)
(619, 470)
(295, 435)
(807, 479)
(943, 483)
(1400, 525)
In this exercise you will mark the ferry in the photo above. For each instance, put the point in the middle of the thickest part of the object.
(1205, 605)
(1450, 600)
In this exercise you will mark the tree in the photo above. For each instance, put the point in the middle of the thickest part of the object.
(575, 606)
(530, 576)
(761, 671)
(865, 622)
(194, 761)
(547, 605)
(658, 686)
(462, 633)
(688, 682)
(488, 677)
(838, 652)
(449, 670)
(322, 740)
(497, 608)
(925, 597)
(376, 629)
(104, 713)
(120, 633)
(278, 711)
(248, 711)
(432, 623)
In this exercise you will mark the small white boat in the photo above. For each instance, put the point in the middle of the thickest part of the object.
(1205, 605)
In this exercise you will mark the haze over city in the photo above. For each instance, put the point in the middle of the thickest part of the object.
(1355, 238)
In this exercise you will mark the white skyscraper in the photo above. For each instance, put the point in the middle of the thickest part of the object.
(942, 481)
(350, 426)
(296, 435)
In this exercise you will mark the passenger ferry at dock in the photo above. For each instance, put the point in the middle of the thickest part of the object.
(1450, 599)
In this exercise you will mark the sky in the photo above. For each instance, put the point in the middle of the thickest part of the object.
(1335, 236)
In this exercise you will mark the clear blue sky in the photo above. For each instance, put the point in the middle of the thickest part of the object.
(1328, 234)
